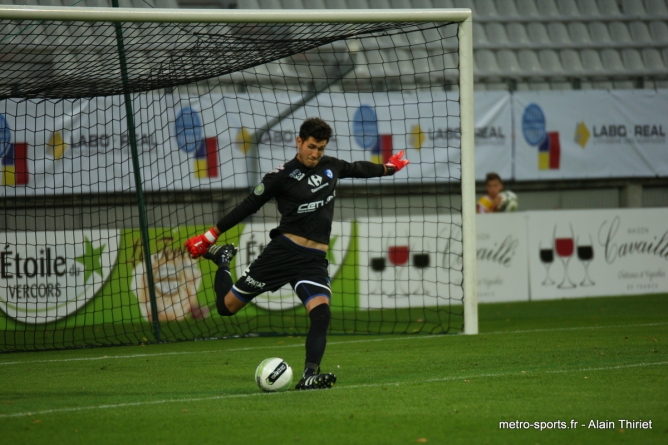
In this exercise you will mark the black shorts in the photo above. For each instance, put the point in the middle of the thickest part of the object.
(282, 262)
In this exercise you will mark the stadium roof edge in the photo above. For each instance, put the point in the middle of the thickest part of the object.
(231, 16)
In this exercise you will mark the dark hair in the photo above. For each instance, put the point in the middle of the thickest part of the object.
(316, 128)
(492, 177)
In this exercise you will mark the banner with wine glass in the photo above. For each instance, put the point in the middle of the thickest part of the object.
(416, 261)
(597, 253)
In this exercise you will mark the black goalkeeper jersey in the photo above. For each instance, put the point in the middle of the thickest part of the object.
(305, 196)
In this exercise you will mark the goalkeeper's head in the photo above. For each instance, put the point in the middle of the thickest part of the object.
(314, 134)
(316, 128)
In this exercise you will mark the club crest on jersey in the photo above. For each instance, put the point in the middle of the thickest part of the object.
(315, 180)
(329, 173)
(298, 175)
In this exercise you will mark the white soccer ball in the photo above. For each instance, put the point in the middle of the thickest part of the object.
(509, 202)
(273, 375)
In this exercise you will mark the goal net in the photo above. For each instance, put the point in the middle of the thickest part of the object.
(125, 132)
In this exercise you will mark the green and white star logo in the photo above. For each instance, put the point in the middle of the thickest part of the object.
(91, 260)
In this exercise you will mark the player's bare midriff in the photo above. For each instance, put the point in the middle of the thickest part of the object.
(306, 242)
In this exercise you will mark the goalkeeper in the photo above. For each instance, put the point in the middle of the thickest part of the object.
(304, 189)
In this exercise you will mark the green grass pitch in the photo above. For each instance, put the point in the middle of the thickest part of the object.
(575, 361)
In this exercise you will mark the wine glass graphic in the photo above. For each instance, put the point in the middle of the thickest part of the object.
(547, 258)
(564, 246)
(421, 261)
(398, 256)
(586, 255)
(378, 266)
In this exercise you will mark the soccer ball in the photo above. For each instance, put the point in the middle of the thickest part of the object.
(273, 375)
(509, 201)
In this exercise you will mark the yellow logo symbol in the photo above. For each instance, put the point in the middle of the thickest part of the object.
(417, 137)
(244, 140)
(582, 134)
(56, 146)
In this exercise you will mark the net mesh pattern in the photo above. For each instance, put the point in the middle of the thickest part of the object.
(217, 106)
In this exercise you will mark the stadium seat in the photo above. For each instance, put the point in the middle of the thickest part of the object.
(379, 4)
(517, 34)
(659, 31)
(249, 4)
(599, 32)
(437, 64)
(569, 8)
(549, 61)
(486, 61)
(639, 32)
(400, 4)
(358, 4)
(632, 60)
(95, 3)
(608, 8)
(591, 61)
(270, 4)
(579, 33)
(652, 59)
(172, 4)
(570, 60)
(486, 8)
(527, 8)
(292, 4)
(451, 60)
(506, 8)
(656, 7)
(507, 61)
(529, 61)
(612, 61)
(633, 8)
(374, 63)
(443, 65)
(496, 33)
(415, 62)
(619, 32)
(559, 33)
(588, 8)
(424, 4)
(548, 8)
(538, 33)
(456, 4)
(479, 37)
(416, 38)
(336, 4)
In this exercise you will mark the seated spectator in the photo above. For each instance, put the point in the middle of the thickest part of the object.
(496, 199)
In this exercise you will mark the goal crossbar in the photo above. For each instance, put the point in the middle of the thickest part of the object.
(232, 16)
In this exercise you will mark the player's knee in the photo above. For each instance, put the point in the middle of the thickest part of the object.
(223, 310)
(320, 313)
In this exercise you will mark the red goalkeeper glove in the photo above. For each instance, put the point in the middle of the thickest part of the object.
(198, 245)
(395, 163)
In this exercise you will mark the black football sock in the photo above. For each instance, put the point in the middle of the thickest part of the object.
(316, 339)
(222, 285)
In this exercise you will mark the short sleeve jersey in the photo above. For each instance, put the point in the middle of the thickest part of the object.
(305, 196)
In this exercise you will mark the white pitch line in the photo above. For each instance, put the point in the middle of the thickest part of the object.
(331, 343)
(337, 388)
